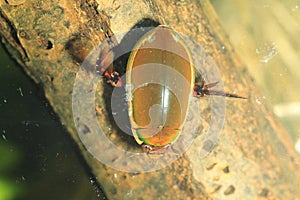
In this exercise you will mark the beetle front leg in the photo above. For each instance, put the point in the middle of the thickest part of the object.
(106, 67)
(112, 78)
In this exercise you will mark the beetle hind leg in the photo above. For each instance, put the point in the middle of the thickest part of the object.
(201, 90)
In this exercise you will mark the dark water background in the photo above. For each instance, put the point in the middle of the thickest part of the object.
(37, 158)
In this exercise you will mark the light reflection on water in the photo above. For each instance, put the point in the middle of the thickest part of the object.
(265, 36)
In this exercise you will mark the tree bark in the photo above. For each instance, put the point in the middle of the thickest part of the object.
(253, 159)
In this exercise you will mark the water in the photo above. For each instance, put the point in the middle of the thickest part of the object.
(37, 157)
(265, 36)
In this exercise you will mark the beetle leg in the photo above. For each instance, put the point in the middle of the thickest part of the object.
(105, 59)
(210, 85)
(155, 150)
(106, 67)
(225, 94)
(147, 148)
(113, 78)
(201, 84)
(200, 90)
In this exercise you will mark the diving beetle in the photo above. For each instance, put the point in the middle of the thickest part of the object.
(170, 114)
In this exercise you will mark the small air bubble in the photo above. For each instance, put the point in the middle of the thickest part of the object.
(267, 52)
(297, 146)
(20, 91)
(295, 8)
(129, 192)
(92, 181)
(4, 137)
(258, 101)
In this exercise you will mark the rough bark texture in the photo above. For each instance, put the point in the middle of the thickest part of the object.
(254, 158)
